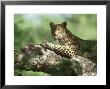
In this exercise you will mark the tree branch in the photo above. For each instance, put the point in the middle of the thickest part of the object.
(36, 58)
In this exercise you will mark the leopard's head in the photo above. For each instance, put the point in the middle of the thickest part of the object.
(58, 30)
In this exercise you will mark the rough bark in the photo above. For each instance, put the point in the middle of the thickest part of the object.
(36, 58)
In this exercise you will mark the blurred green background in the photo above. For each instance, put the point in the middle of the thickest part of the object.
(34, 28)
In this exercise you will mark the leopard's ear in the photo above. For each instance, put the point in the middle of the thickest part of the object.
(52, 25)
(64, 24)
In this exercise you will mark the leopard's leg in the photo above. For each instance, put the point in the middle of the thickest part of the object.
(62, 50)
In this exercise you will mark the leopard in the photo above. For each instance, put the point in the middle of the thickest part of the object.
(72, 47)
(68, 44)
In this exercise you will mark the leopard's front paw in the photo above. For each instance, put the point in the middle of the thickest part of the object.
(44, 44)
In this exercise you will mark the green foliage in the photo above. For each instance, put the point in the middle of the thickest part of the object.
(34, 28)
(31, 73)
